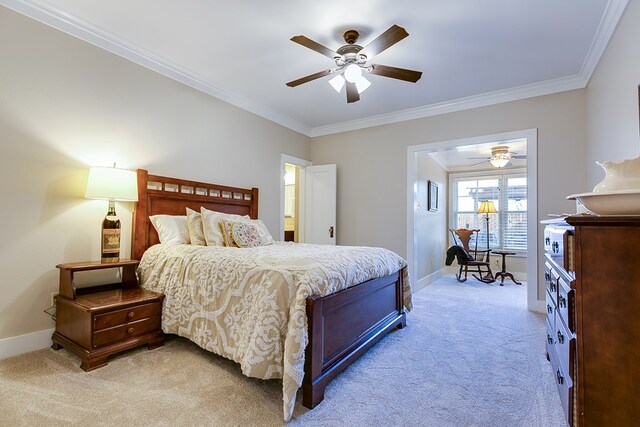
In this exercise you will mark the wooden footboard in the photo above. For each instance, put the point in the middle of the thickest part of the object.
(344, 325)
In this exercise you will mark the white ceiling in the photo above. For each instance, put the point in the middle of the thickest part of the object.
(476, 157)
(471, 52)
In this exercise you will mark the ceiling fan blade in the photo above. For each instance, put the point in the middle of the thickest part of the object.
(476, 164)
(309, 78)
(390, 37)
(522, 156)
(352, 93)
(313, 45)
(396, 73)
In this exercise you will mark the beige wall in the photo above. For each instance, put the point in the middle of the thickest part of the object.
(431, 227)
(373, 162)
(65, 105)
(612, 99)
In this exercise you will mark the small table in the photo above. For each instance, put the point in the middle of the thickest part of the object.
(504, 271)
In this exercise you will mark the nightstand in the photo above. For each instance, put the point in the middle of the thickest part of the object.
(98, 321)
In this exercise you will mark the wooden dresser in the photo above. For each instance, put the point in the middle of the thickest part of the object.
(592, 275)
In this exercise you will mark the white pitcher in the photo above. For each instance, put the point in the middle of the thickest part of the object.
(624, 175)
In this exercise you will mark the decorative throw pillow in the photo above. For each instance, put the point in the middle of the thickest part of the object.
(211, 225)
(263, 232)
(172, 229)
(226, 228)
(196, 232)
(245, 235)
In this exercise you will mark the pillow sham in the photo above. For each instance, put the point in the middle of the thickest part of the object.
(245, 235)
(226, 228)
(172, 229)
(196, 232)
(211, 225)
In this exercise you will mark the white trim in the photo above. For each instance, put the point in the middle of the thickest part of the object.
(91, 33)
(482, 100)
(21, 344)
(97, 36)
(285, 158)
(427, 280)
(610, 18)
(531, 135)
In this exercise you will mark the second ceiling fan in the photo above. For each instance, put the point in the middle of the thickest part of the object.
(351, 62)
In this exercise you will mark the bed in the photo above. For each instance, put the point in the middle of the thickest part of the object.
(327, 330)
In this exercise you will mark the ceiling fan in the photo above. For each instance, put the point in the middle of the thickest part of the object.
(500, 157)
(351, 62)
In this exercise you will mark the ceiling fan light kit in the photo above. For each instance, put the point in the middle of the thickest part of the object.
(351, 64)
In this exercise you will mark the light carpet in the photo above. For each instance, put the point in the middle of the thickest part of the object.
(471, 355)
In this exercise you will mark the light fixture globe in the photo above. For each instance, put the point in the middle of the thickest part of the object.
(337, 82)
(352, 73)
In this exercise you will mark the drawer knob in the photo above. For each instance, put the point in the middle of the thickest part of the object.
(130, 331)
(560, 337)
(549, 309)
(562, 301)
(559, 377)
(131, 314)
(549, 339)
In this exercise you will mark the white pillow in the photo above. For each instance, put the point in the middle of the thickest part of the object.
(211, 225)
(171, 229)
(196, 232)
(263, 231)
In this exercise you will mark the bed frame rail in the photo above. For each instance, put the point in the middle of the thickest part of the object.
(344, 325)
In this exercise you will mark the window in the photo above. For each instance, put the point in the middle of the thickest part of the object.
(508, 191)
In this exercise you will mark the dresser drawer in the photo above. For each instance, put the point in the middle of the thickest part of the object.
(564, 384)
(565, 343)
(550, 283)
(551, 309)
(132, 329)
(566, 303)
(132, 314)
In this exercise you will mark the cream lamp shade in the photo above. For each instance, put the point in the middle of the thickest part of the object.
(487, 207)
(112, 184)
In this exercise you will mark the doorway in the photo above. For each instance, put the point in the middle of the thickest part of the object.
(292, 200)
(291, 206)
(415, 204)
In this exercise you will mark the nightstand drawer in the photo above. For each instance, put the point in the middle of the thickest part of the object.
(120, 317)
(125, 331)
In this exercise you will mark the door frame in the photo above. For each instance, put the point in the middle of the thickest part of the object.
(285, 158)
(534, 303)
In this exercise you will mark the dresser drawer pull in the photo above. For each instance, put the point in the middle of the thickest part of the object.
(549, 309)
(130, 315)
(547, 241)
(130, 331)
(560, 337)
(562, 301)
(549, 339)
(559, 377)
(555, 247)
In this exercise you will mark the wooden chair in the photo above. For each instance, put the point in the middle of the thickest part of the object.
(479, 264)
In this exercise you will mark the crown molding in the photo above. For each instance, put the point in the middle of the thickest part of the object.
(610, 19)
(482, 100)
(63, 21)
(84, 30)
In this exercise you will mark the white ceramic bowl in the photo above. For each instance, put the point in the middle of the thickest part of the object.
(622, 202)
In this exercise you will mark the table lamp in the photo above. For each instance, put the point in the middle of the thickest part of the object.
(111, 184)
(486, 208)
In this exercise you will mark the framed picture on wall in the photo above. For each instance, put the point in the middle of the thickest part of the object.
(432, 196)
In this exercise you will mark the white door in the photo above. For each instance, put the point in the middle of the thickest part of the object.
(320, 204)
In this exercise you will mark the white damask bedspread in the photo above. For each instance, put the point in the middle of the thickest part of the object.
(249, 304)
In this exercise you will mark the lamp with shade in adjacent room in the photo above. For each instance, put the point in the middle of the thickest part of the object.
(487, 207)
(112, 184)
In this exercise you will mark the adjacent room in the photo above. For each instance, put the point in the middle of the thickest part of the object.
(320, 213)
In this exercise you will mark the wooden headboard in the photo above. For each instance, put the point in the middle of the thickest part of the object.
(171, 196)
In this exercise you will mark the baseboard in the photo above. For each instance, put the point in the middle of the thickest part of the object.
(21, 344)
(427, 280)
